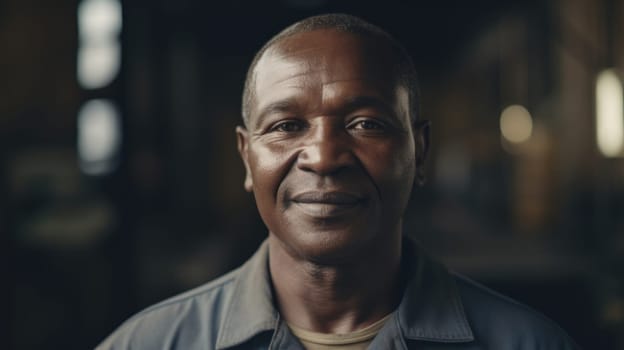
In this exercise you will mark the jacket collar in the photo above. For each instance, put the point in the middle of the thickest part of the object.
(250, 311)
(430, 310)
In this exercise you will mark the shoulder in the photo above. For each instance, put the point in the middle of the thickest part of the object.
(503, 323)
(188, 319)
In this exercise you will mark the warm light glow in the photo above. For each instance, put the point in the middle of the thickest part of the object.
(99, 19)
(516, 124)
(98, 64)
(609, 114)
(99, 52)
(99, 137)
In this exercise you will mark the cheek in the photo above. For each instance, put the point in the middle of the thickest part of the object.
(392, 164)
(268, 166)
(392, 168)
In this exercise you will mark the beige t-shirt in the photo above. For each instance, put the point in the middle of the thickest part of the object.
(358, 340)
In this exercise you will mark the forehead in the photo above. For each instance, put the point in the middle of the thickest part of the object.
(322, 59)
(329, 43)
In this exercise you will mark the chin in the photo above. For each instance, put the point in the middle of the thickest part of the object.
(330, 247)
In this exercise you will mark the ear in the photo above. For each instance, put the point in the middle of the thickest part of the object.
(242, 140)
(421, 138)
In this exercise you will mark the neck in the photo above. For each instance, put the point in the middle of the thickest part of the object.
(336, 298)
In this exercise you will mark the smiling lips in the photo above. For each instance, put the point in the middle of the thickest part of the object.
(326, 204)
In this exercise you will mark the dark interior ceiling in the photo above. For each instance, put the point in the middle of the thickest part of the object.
(437, 28)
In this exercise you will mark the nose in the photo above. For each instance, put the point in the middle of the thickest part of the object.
(326, 149)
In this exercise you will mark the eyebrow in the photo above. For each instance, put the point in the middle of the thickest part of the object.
(288, 105)
(364, 101)
(281, 106)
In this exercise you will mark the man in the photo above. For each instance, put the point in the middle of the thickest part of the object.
(332, 145)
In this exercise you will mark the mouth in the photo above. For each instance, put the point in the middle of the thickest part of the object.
(323, 204)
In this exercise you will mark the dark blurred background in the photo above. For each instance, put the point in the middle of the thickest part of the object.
(120, 183)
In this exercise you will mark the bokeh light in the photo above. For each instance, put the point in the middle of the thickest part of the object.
(99, 137)
(609, 114)
(516, 124)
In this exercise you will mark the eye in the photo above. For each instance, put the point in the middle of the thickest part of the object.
(287, 126)
(367, 125)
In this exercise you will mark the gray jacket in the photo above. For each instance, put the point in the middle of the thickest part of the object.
(439, 310)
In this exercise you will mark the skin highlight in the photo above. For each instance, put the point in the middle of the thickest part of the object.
(331, 153)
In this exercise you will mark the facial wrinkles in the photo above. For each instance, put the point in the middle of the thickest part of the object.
(324, 99)
(317, 80)
(331, 97)
(326, 84)
(331, 94)
(275, 79)
(313, 58)
(291, 65)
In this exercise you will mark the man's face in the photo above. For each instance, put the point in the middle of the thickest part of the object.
(329, 148)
